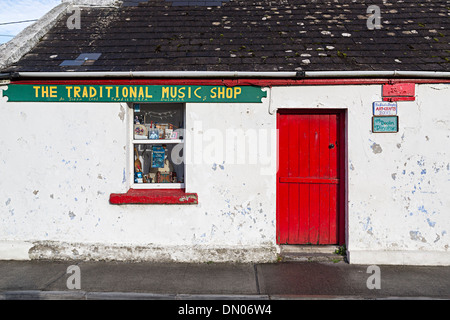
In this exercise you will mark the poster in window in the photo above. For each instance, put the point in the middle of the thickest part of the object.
(158, 154)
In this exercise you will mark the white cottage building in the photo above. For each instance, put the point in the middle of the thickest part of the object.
(184, 131)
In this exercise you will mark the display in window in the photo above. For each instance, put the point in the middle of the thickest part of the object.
(168, 133)
(138, 176)
(162, 177)
(155, 122)
(137, 162)
(159, 129)
(153, 164)
(140, 131)
(153, 134)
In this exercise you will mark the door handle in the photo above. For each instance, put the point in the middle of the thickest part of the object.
(331, 146)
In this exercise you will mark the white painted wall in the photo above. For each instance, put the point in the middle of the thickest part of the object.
(398, 208)
(60, 162)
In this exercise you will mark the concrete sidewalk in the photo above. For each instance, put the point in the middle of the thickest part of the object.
(217, 281)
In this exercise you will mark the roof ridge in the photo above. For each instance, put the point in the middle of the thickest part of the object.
(13, 50)
(96, 3)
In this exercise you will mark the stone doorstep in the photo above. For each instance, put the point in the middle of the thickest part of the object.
(310, 253)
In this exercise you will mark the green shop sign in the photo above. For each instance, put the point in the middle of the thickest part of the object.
(133, 93)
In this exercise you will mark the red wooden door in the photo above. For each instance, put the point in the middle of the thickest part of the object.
(308, 178)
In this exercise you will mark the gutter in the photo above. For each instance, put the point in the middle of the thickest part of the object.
(377, 74)
(227, 74)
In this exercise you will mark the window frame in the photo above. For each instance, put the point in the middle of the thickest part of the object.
(133, 142)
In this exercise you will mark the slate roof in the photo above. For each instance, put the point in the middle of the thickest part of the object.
(248, 35)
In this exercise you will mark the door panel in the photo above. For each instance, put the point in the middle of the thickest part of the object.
(308, 182)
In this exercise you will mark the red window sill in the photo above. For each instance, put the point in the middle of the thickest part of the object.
(152, 196)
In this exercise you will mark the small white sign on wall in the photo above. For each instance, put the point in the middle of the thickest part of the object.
(384, 108)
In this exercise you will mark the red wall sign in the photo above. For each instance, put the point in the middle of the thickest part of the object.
(399, 92)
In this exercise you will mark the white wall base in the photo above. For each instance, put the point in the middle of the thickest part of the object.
(419, 258)
(53, 250)
(15, 250)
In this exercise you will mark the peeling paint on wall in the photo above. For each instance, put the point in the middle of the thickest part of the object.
(376, 148)
(416, 236)
(121, 113)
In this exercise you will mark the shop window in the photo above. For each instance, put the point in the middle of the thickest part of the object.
(157, 168)
(157, 146)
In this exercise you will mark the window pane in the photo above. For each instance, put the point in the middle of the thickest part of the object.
(158, 162)
(158, 121)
